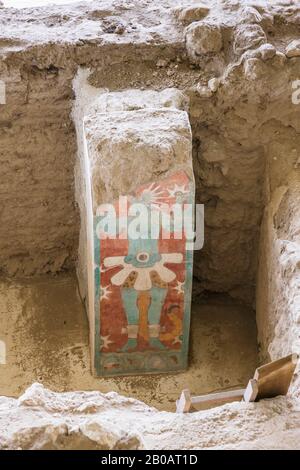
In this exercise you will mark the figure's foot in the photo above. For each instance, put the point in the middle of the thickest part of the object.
(155, 343)
(131, 344)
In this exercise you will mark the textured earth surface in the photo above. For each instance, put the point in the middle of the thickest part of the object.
(238, 62)
(45, 329)
(41, 419)
(239, 82)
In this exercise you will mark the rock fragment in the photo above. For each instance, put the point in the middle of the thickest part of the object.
(213, 84)
(267, 51)
(293, 49)
(279, 59)
(253, 68)
(250, 15)
(191, 13)
(203, 38)
(114, 27)
(204, 91)
(161, 63)
(248, 37)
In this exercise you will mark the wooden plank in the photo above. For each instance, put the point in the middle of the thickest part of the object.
(274, 379)
(184, 403)
(270, 380)
(218, 398)
(251, 391)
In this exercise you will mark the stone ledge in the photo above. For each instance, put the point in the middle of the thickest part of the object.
(42, 419)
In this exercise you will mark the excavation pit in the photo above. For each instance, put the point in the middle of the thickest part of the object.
(236, 69)
(46, 331)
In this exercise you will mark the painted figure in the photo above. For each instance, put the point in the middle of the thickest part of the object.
(145, 284)
(144, 281)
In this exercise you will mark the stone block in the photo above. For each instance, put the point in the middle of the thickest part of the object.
(139, 282)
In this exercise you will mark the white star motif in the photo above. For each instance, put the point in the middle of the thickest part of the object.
(104, 292)
(153, 195)
(105, 342)
(178, 192)
(177, 340)
(179, 287)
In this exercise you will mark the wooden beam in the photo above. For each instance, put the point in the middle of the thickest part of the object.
(269, 381)
(219, 397)
(184, 403)
(251, 391)
(275, 378)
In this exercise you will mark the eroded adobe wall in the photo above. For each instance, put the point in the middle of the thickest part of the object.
(229, 58)
(38, 215)
(278, 292)
(241, 112)
(40, 52)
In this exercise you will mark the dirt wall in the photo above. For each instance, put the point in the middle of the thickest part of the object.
(234, 60)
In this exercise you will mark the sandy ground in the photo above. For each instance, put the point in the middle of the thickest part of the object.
(44, 326)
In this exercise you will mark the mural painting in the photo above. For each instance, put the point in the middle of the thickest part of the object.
(143, 286)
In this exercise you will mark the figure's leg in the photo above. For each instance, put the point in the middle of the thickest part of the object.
(129, 297)
(158, 296)
(143, 304)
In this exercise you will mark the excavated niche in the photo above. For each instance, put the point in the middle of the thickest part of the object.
(245, 129)
(136, 287)
(240, 172)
